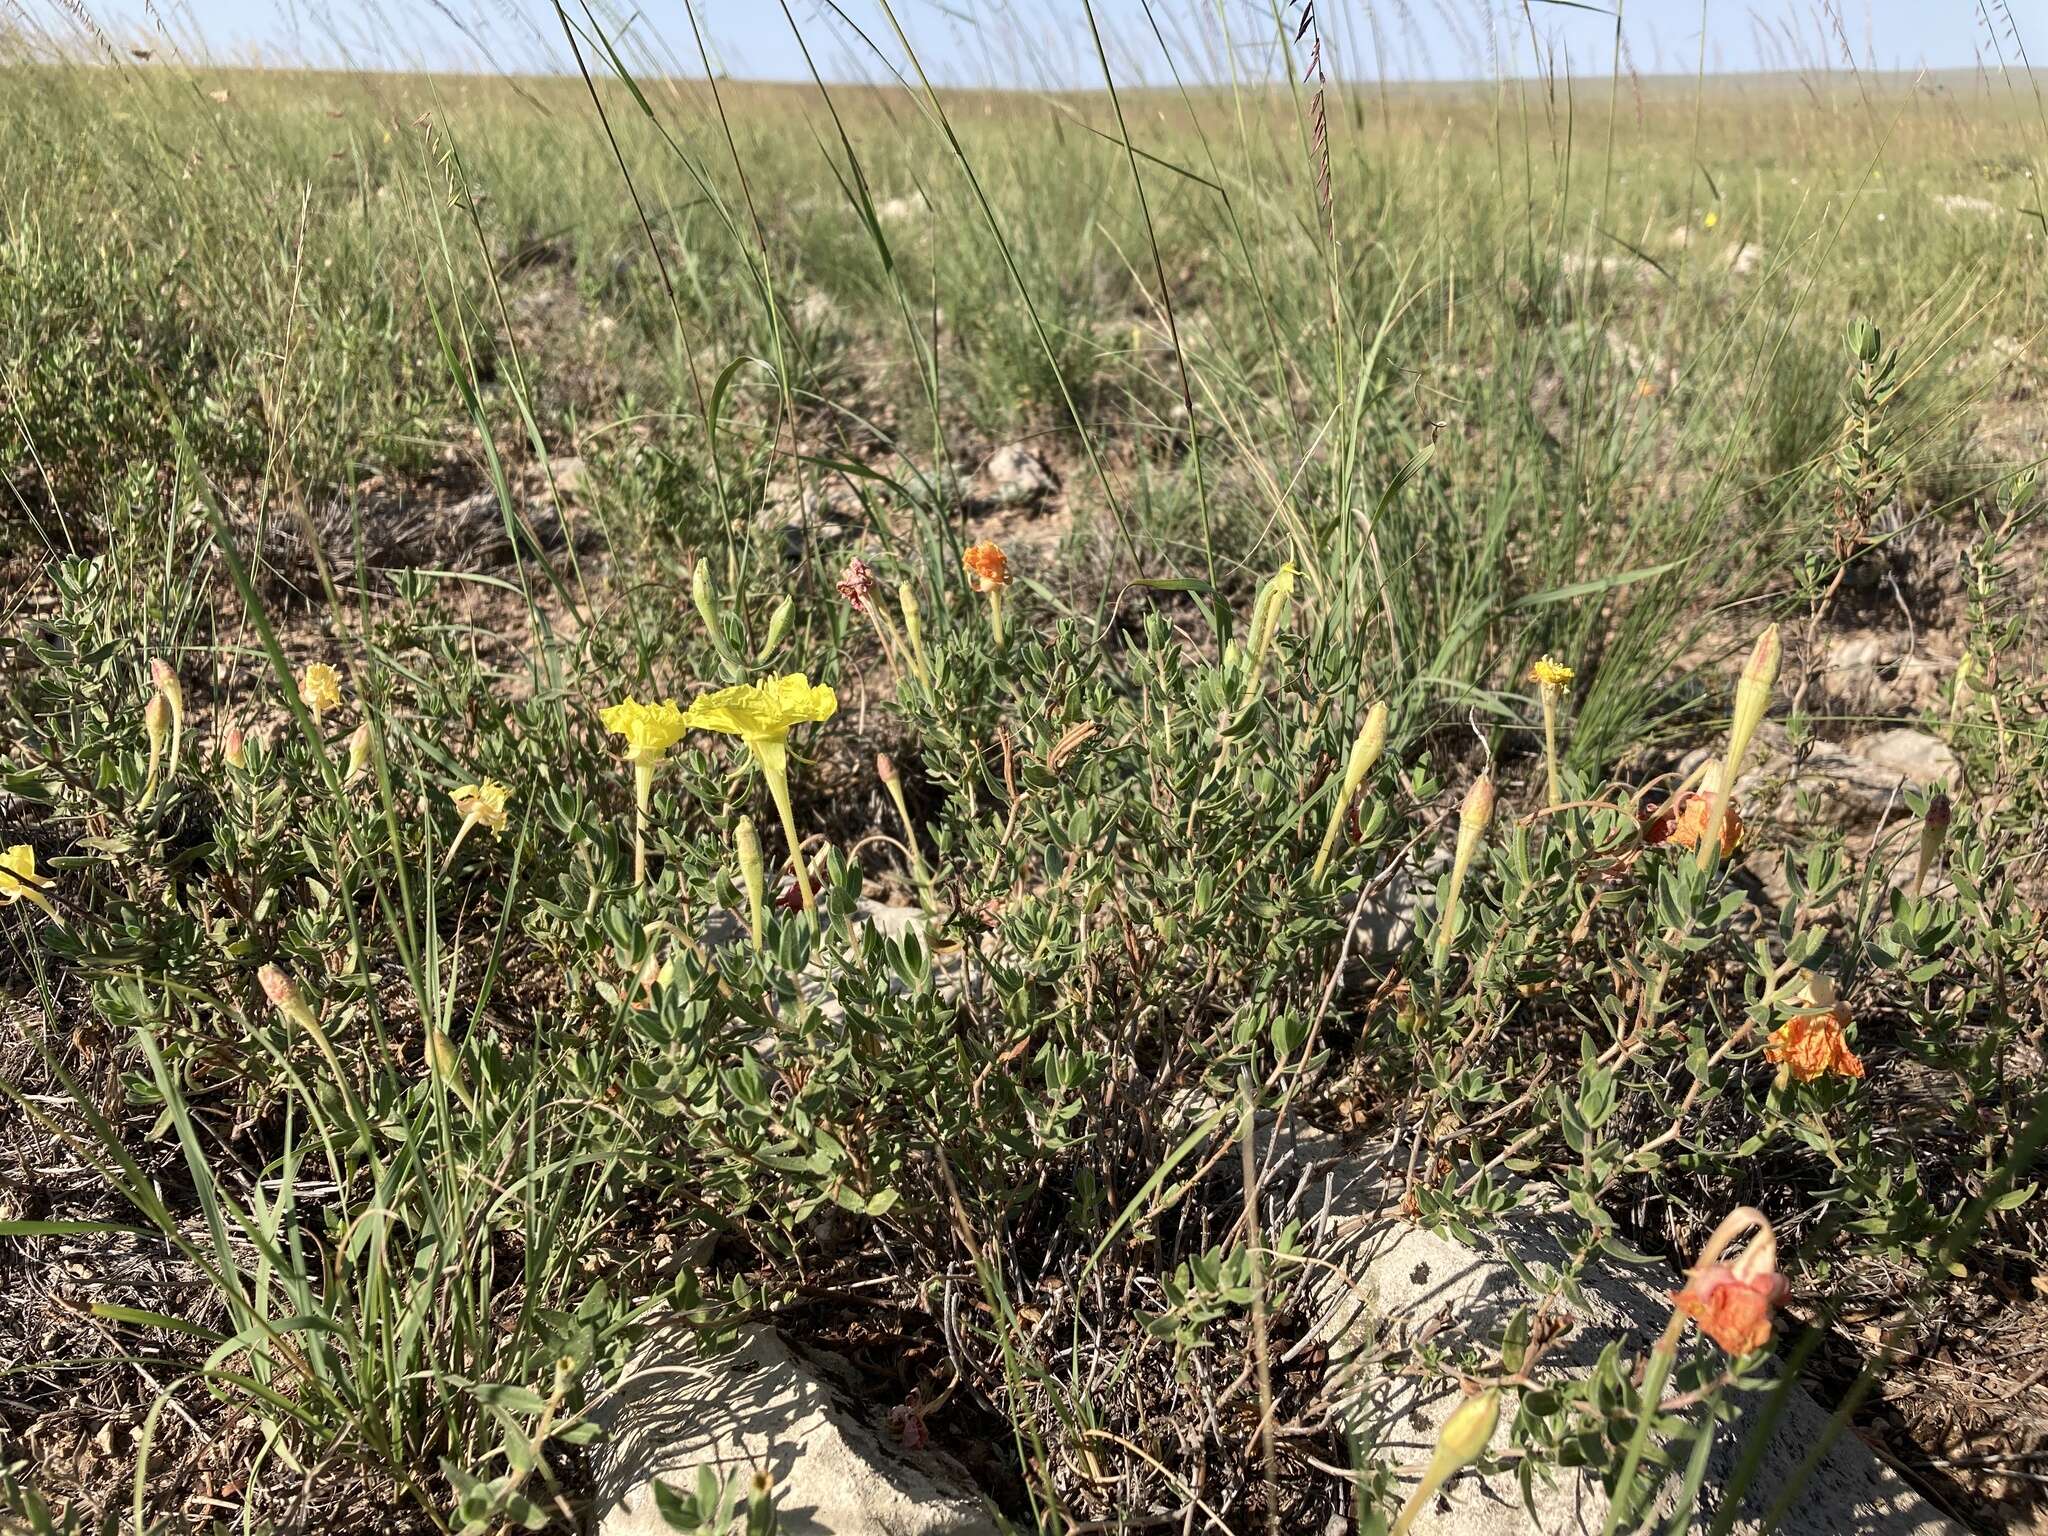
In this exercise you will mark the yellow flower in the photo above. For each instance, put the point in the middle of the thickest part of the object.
(650, 729)
(1711, 219)
(764, 711)
(320, 688)
(1550, 673)
(760, 714)
(483, 804)
(19, 880)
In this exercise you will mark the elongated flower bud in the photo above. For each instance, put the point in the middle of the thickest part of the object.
(1933, 832)
(1370, 742)
(778, 626)
(446, 1062)
(286, 998)
(236, 748)
(1752, 698)
(1468, 1431)
(704, 597)
(155, 722)
(1473, 818)
(1269, 612)
(358, 753)
(913, 629)
(167, 684)
(747, 845)
(1366, 750)
(1465, 1437)
(885, 768)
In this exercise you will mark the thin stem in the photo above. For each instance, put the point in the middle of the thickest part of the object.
(643, 796)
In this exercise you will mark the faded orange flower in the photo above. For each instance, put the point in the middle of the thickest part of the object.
(1684, 822)
(988, 568)
(1811, 1042)
(1732, 1308)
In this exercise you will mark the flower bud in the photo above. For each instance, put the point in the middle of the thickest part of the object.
(702, 595)
(358, 753)
(1477, 811)
(1933, 833)
(747, 845)
(236, 749)
(885, 768)
(1467, 1432)
(1865, 341)
(1752, 698)
(167, 684)
(1365, 751)
(778, 626)
(156, 721)
(286, 998)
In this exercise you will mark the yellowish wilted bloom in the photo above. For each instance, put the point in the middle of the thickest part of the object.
(650, 730)
(320, 689)
(20, 882)
(1551, 674)
(484, 804)
(762, 714)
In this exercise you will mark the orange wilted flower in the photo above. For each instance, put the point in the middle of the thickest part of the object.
(988, 568)
(1683, 822)
(1733, 1302)
(1811, 1042)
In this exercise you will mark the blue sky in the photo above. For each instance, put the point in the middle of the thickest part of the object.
(1046, 43)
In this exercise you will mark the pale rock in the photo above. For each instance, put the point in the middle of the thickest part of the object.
(1853, 787)
(1015, 474)
(1395, 1282)
(837, 1470)
(567, 473)
(1908, 754)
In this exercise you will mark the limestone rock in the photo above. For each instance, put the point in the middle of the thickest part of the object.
(1399, 1282)
(1854, 787)
(836, 1468)
(1015, 475)
(1907, 754)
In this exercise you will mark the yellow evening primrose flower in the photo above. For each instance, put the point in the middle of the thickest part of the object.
(19, 880)
(1550, 673)
(761, 715)
(650, 729)
(320, 688)
(483, 804)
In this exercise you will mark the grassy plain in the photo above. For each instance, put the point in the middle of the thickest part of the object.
(510, 397)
